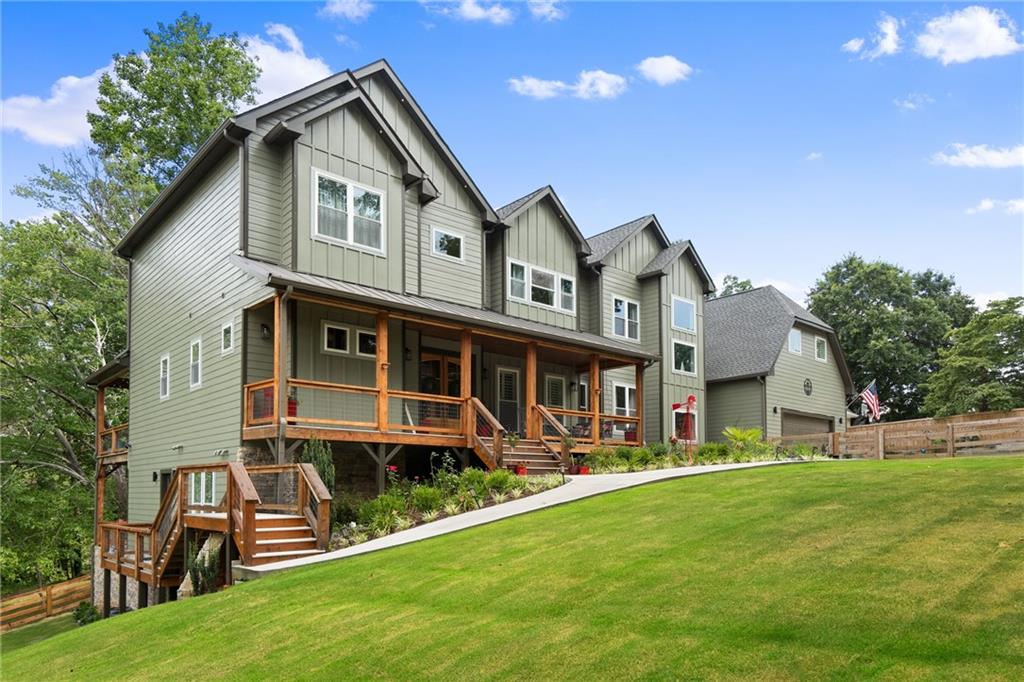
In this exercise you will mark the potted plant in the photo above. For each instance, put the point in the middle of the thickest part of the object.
(583, 469)
(293, 404)
(513, 439)
(521, 469)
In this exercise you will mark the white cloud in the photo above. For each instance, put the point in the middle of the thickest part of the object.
(347, 41)
(968, 34)
(472, 10)
(1010, 206)
(887, 40)
(352, 10)
(284, 63)
(980, 156)
(664, 70)
(982, 299)
(852, 45)
(913, 101)
(595, 84)
(546, 10)
(57, 120)
(814, 156)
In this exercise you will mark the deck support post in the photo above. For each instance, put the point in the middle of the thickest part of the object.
(280, 373)
(143, 594)
(382, 458)
(531, 389)
(101, 472)
(122, 593)
(106, 593)
(595, 398)
(382, 373)
(640, 403)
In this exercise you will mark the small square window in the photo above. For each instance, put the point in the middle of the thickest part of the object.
(820, 349)
(366, 343)
(795, 341)
(335, 338)
(684, 357)
(446, 244)
(684, 314)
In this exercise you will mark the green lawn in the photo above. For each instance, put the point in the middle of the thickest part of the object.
(12, 640)
(910, 569)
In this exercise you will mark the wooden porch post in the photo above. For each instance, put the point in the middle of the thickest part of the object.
(382, 371)
(466, 377)
(531, 388)
(639, 403)
(280, 380)
(595, 398)
(101, 473)
(106, 593)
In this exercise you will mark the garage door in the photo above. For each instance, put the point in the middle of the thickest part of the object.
(802, 424)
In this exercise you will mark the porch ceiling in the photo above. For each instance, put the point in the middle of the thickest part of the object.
(278, 276)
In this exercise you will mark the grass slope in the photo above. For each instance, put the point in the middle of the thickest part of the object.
(12, 640)
(847, 570)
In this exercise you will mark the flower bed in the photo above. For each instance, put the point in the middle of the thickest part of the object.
(409, 503)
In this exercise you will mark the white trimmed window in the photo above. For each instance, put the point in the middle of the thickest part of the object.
(541, 287)
(795, 341)
(201, 487)
(195, 364)
(625, 318)
(684, 314)
(446, 244)
(165, 377)
(554, 390)
(684, 358)
(227, 338)
(684, 425)
(346, 212)
(366, 343)
(334, 338)
(583, 399)
(625, 400)
(820, 349)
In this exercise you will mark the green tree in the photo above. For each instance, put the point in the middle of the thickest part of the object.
(160, 106)
(983, 368)
(891, 324)
(731, 284)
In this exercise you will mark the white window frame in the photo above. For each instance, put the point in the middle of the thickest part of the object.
(366, 332)
(434, 230)
(824, 343)
(230, 327)
(164, 395)
(528, 269)
(198, 341)
(557, 378)
(331, 324)
(615, 397)
(584, 393)
(696, 424)
(799, 341)
(197, 493)
(679, 342)
(625, 327)
(693, 303)
(350, 209)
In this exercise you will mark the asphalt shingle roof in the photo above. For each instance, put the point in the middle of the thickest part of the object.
(604, 243)
(510, 208)
(665, 257)
(744, 333)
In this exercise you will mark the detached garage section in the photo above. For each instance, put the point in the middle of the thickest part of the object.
(772, 365)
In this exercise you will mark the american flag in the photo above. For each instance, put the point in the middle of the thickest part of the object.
(870, 397)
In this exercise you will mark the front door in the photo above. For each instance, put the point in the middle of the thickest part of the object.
(508, 398)
(440, 374)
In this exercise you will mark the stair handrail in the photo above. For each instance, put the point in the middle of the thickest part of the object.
(564, 452)
(498, 431)
(315, 501)
(244, 500)
(170, 507)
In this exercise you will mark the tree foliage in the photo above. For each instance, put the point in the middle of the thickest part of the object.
(159, 107)
(983, 368)
(731, 284)
(891, 325)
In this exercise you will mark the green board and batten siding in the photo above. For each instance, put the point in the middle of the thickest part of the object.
(785, 387)
(183, 287)
(682, 280)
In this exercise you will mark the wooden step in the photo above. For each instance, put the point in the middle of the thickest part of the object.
(271, 557)
(280, 520)
(283, 532)
(288, 545)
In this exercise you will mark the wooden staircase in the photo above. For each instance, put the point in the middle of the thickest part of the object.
(283, 536)
(535, 454)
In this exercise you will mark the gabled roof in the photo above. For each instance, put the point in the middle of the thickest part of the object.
(603, 244)
(510, 211)
(661, 263)
(275, 275)
(745, 332)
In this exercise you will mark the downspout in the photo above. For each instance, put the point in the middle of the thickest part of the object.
(243, 175)
(764, 406)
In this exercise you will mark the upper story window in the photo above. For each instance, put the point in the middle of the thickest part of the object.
(684, 314)
(165, 377)
(625, 318)
(795, 341)
(540, 287)
(227, 338)
(366, 343)
(347, 212)
(684, 358)
(335, 337)
(446, 244)
(195, 364)
(820, 349)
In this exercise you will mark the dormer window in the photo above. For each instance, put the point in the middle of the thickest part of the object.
(540, 287)
(347, 213)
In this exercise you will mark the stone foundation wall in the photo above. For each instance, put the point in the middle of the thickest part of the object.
(132, 591)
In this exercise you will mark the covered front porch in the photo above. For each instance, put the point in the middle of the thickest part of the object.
(342, 370)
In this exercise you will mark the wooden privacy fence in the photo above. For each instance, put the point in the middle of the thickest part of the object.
(28, 607)
(977, 433)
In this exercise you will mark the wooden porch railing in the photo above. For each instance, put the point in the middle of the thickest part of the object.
(486, 434)
(578, 423)
(259, 403)
(113, 441)
(553, 431)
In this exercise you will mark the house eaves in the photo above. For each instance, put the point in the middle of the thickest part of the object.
(509, 212)
(662, 263)
(604, 244)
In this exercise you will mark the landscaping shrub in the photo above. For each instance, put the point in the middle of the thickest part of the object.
(499, 481)
(345, 507)
(712, 453)
(659, 449)
(473, 479)
(640, 458)
(445, 474)
(742, 439)
(426, 498)
(623, 453)
(86, 613)
(389, 505)
(318, 453)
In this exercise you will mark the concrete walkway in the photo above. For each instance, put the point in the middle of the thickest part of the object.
(575, 488)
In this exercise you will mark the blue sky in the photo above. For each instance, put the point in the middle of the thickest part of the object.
(763, 132)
